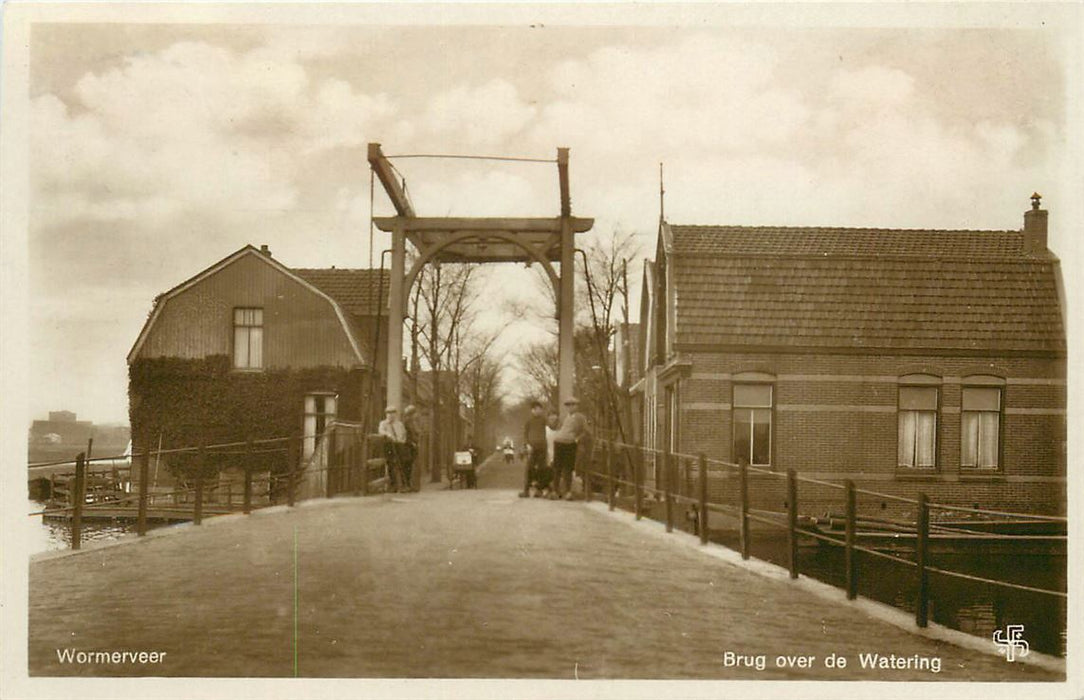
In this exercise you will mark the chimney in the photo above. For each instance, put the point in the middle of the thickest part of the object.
(1035, 228)
(267, 251)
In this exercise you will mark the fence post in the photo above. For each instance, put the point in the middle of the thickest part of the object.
(743, 517)
(587, 464)
(792, 521)
(329, 460)
(702, 473)
(667, 474)
(293, 445)
(78, 498)
(611, 458)
(144, 474)
(923, 607)
(197, 515)
(638, 480)
(248, 476)
(852, 571)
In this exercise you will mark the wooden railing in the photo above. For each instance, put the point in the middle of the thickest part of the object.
(682, 481)
(345, 461)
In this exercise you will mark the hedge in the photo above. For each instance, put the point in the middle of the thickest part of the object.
(192, 402)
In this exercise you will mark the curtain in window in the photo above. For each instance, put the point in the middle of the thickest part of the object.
(924, 437)
(918, 439)
(762, 436)
(907, 439)
(743, 430)
(988, 432)
(969, 441)
(980, 420)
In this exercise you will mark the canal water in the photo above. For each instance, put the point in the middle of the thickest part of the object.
(53, 535)
(973, 607)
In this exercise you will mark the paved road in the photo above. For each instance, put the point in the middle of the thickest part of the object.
(449, 584)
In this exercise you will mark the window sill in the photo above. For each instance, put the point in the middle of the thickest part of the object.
(918, 475)
(247, 370)
(981, 475)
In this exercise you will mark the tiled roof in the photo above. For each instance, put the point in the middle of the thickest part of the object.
(355, 290)
(858, 242)
(863, 288)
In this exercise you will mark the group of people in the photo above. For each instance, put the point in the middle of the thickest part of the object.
(400, 447)
(551, 450)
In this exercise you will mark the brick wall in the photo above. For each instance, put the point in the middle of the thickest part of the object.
(835, 417)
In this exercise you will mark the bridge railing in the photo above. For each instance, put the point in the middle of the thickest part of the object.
(345, 460)
(693, 492)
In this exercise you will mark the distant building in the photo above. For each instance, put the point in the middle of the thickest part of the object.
(906, 360)
(251, 348)
(62, 437)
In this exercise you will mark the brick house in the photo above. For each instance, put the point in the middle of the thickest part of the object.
(251, 348)
(905, 360)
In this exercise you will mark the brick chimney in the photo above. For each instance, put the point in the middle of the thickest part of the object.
(267, 251)
(1035, 228)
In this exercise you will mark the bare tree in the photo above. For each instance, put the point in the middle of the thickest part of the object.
(481, 387)
(602, 294)
(538, 363)
(441, 311)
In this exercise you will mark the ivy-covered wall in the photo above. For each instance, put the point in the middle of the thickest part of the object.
(191, 402)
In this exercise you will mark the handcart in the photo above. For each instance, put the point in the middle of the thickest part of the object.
(464, 473)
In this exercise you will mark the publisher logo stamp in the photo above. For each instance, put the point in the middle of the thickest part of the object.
(1010, 642)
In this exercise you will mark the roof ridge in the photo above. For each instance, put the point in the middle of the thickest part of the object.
(339, 269)
(745, 227)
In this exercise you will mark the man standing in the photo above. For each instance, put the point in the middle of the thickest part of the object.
(410, 448)
(394, 446)
(534, 438)
(565, 443)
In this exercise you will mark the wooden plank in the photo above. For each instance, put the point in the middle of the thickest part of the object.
(562, 176)
(513, 225)
(922, 607)
(386, 174)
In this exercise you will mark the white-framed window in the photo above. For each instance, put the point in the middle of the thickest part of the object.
(320, 410)
(980, 427)
(917, 408)
(752, 410)
(248, 338)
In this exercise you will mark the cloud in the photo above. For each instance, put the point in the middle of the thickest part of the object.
(192, 128)
(483, 115)
(700, 94)
(873, 85)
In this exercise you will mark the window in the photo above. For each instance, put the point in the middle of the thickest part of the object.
(248, 338)
(319, 411)
(918, 427)
(753, 424)
(980, 422)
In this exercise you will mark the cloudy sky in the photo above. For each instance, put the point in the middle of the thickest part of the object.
(157, 149)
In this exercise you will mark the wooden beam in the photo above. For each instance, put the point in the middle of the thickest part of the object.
(384, 172)
(481, 224)
(562, 174)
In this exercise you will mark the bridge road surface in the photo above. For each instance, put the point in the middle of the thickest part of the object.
(450, 584)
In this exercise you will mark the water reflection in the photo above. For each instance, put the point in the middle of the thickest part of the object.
(53, 535)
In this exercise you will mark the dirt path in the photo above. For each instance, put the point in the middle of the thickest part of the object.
(449, 584)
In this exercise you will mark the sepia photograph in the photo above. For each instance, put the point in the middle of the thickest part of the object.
(533, 350)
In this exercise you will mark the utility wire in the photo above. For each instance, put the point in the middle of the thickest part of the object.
(467, 157)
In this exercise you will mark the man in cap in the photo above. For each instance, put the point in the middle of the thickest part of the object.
(565, 443)
(534, 438)
(395, 446)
